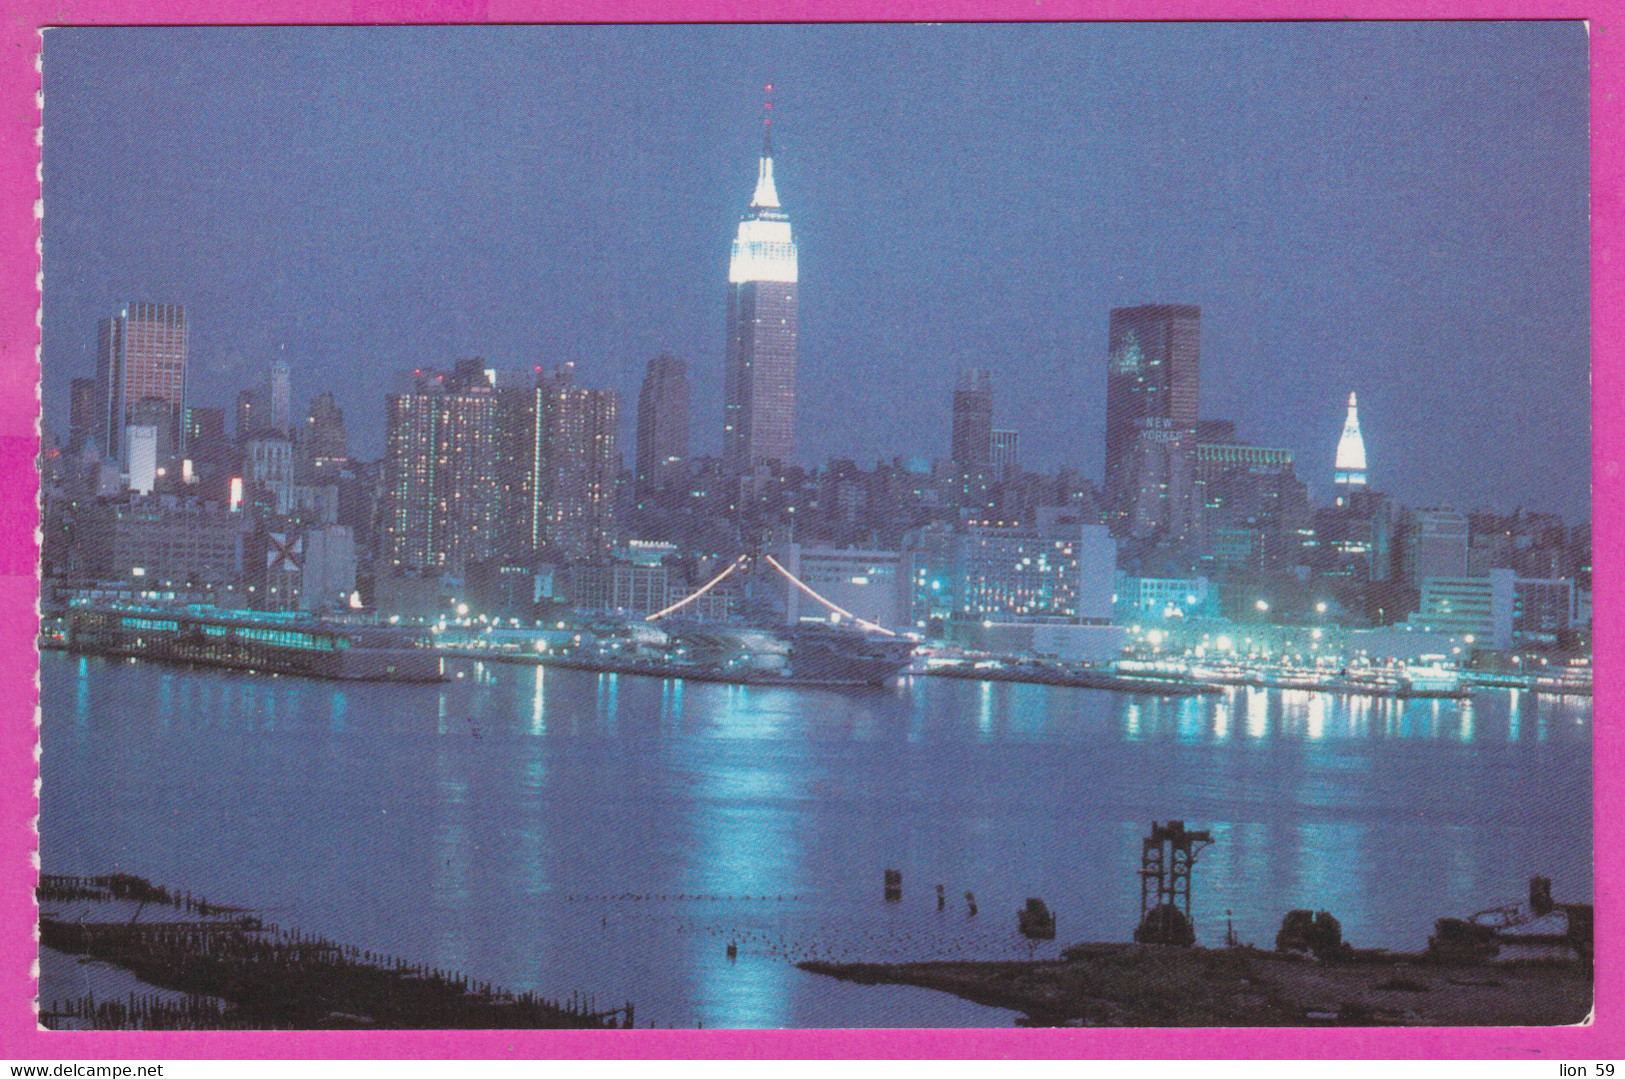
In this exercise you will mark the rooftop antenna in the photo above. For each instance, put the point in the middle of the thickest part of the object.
(767, 121)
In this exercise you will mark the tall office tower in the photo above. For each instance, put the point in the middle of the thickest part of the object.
(1350, 464)
(1006, 454)
(973, 420)
(759, 398)
(81, 414)
(576, 466)
(278, 392)
(1152, 378)
(440, 486)
(140, 353)
(323, 444)
(662, 426)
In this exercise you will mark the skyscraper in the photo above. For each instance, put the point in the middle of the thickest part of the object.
(140, 353)
(759, 402)
(1152, 379)
(576, 468)
(278, 395)
(323, 444)
(440, 472)
(973, 420)
(662, 426)
(1350, 462)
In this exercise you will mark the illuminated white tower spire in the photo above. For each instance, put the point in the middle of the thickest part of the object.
(1350, 463)
(759, 393)
(764, 250)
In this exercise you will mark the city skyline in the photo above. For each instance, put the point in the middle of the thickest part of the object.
(1457, 430)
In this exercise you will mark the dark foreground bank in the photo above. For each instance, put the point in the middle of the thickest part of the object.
(1135, 985)
(239, 973)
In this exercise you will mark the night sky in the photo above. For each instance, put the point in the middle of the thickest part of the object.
(1395, 209)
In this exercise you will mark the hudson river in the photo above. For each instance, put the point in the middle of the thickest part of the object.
(611, 835)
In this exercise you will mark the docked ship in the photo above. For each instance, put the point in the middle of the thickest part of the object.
(256, 641)
(809, 654)
(761, 650)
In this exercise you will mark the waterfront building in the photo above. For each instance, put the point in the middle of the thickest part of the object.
(159, 541)
(759, 403)
(1164, 597)
(140, 353)
(1499, 609)
(1152, 382)
(576, 468)
(1477, 606)
(862, 581)
(1542, 609)
(441, 494)
(620, 588)
(1349, 468)
(662, 445)
(303, 569)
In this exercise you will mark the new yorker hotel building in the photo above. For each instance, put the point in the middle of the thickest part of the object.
(759, 404)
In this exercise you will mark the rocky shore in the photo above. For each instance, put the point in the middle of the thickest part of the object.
(1136, 985)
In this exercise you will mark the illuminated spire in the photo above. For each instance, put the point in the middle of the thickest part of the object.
(1350, 463)
(767, 196)
(764, 249)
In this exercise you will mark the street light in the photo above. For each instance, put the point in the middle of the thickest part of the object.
(1262, 606)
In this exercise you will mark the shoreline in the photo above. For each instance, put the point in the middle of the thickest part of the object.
(1141, 985)
(208, 967)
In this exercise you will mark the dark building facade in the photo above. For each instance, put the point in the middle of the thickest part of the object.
(82, 415)
(324, 447)
(973, 420)
(1152, 383)
(759, 402)
(662, 427)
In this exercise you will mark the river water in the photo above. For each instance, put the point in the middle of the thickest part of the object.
(610, 835)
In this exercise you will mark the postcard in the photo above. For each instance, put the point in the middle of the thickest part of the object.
(1015, 537)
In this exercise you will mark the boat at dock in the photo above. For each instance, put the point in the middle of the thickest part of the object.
(293, 643)
(810, 654)
(1045, 673)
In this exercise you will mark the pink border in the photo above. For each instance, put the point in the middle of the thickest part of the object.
(19, 337)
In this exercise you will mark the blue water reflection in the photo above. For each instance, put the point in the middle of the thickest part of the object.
(568, 831)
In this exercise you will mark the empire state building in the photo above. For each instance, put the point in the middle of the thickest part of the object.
(759, 403)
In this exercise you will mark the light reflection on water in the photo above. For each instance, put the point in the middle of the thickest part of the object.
(568, 831)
